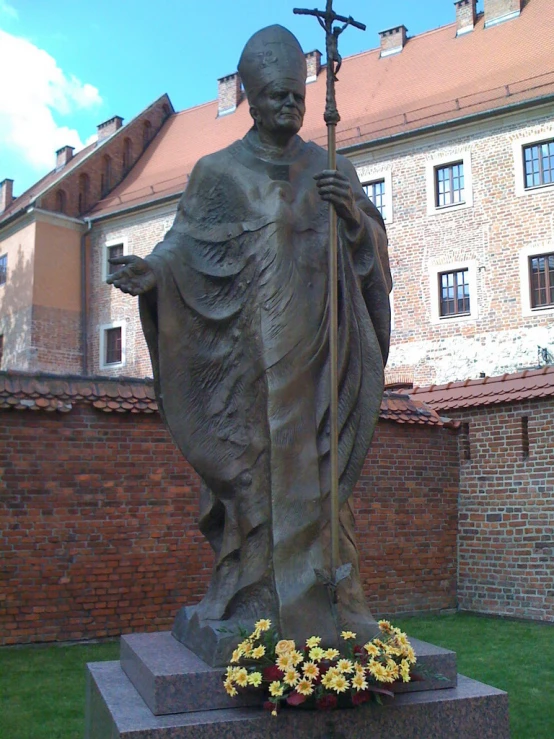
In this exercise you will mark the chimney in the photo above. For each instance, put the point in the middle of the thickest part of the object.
(498, 11)
(393, 40)
(109, 127)
(63, 156)
(466, 15)
(6, 194)
(313, 64)
(228, 93)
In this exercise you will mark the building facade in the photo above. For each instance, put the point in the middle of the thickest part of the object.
(453, 137)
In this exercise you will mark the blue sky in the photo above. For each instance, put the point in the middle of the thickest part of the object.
(74, 63)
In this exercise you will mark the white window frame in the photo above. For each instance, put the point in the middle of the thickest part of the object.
(386, 176)
(431, 185)
(437, 269)
(107, 244)
(519, 168)
(102, 352)
(525, 278)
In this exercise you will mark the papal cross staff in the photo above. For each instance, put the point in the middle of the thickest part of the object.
(327, 20)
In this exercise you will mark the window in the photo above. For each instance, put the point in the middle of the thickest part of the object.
(113, 346)
(127, 154)
(454, 293)
(3, 269)
(375, 191)
(146, 133)
(538, 163)
(111, 252)
(83, 192)
(541, 273)
(60, 201)
(106, 176)
(449, 185)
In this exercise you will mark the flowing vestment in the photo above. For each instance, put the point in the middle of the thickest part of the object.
(237, 329)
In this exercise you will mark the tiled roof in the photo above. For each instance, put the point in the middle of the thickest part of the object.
(24, 391)
(437, 78)
(527, 385)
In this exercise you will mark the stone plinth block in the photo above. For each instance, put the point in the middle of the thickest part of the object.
(171, 679)
(115, 710)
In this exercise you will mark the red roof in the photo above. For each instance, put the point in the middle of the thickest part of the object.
(437, 78)
(27, 391)
(527, 385)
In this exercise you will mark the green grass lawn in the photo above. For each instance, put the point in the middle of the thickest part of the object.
(42, 689)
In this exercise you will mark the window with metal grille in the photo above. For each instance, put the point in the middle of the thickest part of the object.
(113, 346)
(449, 185)
(541, 272)
(538, 162)
(454, 293)
(375, 191)
(111, 252)
(3, 269)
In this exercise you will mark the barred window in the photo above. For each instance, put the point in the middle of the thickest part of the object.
(449, 184)
(375, 191)
(538, 161)
(541, 272)
(454, 293)
(3, 269)
(113, 346)
(111, 252)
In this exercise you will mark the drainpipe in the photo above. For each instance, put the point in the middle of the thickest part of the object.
(84, 301)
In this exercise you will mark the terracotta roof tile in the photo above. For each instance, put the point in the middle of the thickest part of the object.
(508, 388)
(24, 391)
(437, 78)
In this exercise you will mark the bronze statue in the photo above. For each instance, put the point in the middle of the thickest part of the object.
(234, 304)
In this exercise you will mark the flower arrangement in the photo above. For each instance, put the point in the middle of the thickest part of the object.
(315, 676)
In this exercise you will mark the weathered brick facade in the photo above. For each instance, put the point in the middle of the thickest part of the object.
(99, 534)
(506, 536)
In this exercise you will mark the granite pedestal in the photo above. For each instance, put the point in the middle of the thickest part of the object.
(161, 690)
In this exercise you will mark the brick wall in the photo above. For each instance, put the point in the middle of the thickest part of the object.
(506, 538)
(109, 545)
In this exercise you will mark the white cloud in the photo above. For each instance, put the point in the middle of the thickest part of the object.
(8, 10)
(33, 96)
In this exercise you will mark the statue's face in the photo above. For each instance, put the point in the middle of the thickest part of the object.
(279, 109)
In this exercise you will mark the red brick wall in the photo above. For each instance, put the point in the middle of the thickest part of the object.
(506, 539)
(98, 524)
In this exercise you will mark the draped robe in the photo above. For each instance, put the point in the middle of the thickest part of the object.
(237, 329)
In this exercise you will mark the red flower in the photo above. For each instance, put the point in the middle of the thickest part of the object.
(326, 703)
(272, 673)
(362, 697)
(268, 706)
(295, 699)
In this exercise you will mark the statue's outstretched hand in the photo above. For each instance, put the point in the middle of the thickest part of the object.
(135, 277)
(335, 188)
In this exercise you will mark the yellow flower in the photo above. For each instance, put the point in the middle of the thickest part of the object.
(237, 654)
(255, 679)
(339, 684)
(359, 669)
(311, 670)
(230, 673)
(316, 653)
(284, 662)
(264, 624)
(292, 676)
(378, 671)
(285, 646)
(393, 671)
(334, 671)
(276, 689)
(402, 640)
(405, 670)
(345, 666)
(385, 626)
(331, 653)
(304, 687)
(372, 650)
(274, 712)
(313, 641)
(245, 647)
(409, 654)
(359, 682)
(230, 688)
(296, 657)
(348, 635)
(241, 678)
(258, 652)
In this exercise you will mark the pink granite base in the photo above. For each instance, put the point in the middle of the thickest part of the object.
(115, 710)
